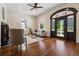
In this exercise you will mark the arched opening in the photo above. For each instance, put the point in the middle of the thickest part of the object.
(63, 23)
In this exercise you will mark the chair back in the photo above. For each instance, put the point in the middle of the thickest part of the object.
(16, 35)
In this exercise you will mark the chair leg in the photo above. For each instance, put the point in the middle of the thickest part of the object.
(20, 49)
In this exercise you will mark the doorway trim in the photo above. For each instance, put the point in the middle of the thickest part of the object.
(63, 9)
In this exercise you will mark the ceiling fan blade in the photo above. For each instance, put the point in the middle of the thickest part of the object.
(30, 5)
(39, 7)
(32, 9)
(35, 4)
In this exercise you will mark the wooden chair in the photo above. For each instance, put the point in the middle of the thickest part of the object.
(16, 35)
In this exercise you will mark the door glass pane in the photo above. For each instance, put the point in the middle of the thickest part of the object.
(53, 25)
(70, 24)
(60, 28)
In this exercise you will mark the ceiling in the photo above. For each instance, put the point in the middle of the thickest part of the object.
(24, 8)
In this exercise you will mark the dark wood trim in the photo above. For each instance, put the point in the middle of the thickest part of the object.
(50, 28)
(69, 8)
(64, 16)
(75, 25)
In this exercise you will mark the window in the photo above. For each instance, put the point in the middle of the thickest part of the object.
(41, 26)
(24, 24)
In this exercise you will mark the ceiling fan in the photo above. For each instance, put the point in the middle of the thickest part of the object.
(34, 6)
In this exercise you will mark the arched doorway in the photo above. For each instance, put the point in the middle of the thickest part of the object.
(63, 23)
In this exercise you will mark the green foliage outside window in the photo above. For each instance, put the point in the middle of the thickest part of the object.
(60, 26)
(41, 26)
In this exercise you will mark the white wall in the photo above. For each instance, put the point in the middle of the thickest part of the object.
(14, 20)
(47, 15)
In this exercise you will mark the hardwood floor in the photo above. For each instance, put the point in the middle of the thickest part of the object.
(50, 47)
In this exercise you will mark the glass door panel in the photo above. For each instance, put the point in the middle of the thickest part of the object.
(60, 27)
(53, 25)
(70, 24)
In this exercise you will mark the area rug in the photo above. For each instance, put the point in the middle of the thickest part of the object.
(33, 39)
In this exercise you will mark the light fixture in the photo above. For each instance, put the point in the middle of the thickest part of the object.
(66, 11)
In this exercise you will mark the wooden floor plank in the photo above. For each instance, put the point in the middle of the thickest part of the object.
(50, 47)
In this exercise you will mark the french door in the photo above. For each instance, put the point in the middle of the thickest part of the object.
(64, 27)
(60, 25)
